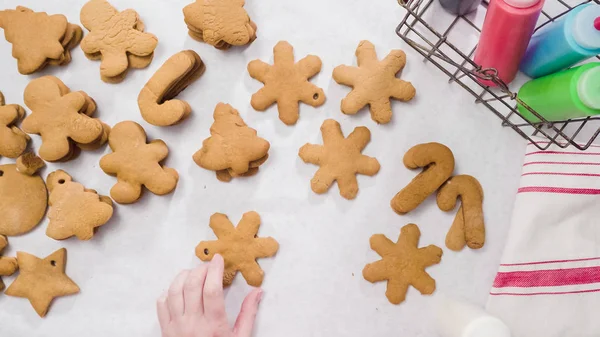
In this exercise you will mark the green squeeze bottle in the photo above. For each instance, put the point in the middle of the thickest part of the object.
(564, 95)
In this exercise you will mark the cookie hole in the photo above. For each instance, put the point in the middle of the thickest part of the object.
(53, 263)
(316, 97)
(205, 251)
(255, 236)
(61, 181)
(1, 173)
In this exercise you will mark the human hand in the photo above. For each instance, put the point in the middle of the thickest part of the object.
(194, 305)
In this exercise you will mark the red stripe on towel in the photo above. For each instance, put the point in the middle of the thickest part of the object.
(560, 163)
(547, 293)
(558, 152)
(547, 262)
(559, 190)
(560, 174)
(547, 278)
(562, 143)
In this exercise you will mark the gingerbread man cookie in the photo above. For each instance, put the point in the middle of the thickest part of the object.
(468, 227)
(38, 39)
(233, 149)
(13, 141)
(114, 35)
(340, 159)
(402, 264)
(155, 100)
(74, 210)
(374, 82)
(286, 83)
(60, 117)
(42, 280)
(240, 247)
(437, 162)
(220, 23)
(8, 265)
(135, 163)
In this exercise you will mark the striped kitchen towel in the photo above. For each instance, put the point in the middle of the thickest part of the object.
(549, 281)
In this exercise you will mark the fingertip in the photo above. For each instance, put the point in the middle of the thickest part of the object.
(218, 259)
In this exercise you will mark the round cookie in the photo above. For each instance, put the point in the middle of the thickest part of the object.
(23, 201)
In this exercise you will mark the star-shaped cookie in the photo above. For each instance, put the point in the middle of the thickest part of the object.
(286, 83)
(240, 247)
(340, 159)
(402, 264)
(42, 280)
(13, 141)
(374, 82)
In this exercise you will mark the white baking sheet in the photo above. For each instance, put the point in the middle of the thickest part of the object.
(314, 286)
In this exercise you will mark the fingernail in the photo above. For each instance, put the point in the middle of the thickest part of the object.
(259, 296)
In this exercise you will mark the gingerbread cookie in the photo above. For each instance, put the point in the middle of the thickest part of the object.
(156, 98)
(38, 39)
(113, 36)
(220, 23)
(13, 141)
(135, 163)
(42, 280)
(374, 82)
(233, 149)
(402, 264)
(29, 163)
(340, 159)
(240, 247)
(74, 210)
(8, 265)
(468, 227)
(286, 83)
(61, 118)
(437, 162)
(23, 198)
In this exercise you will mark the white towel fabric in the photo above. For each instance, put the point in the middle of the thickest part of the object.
(548, 284)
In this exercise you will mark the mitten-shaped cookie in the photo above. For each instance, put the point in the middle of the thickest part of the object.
(374, 82)
(340, 159)
(232, 146)
(437, 162)
(220, 23)
(135, 163)
(286, 83)
(468, 226)
(240, 247)
(113, 35)
(74, 210)
(13, 141)
(8, 265)
(402, 264)
(57, 118)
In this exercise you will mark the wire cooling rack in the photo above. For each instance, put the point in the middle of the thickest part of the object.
(443, 44)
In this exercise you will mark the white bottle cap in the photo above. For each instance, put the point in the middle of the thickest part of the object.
(487, 326)
(455, 318)
(588, 88)
(585, 32)
(521, 3)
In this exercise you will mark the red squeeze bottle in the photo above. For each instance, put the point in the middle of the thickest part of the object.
(507, 29)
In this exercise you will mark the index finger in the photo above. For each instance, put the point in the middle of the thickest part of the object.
(214, 302)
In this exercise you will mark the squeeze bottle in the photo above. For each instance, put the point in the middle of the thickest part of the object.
(505, 34)
(573, 38)
(460, 7)
(460, 319)
(567, 94)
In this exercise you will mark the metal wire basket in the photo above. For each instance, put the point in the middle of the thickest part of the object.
(455, 60)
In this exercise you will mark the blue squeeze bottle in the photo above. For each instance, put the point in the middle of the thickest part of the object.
(564, 43)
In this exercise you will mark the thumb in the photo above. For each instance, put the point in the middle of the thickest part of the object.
(245, 320)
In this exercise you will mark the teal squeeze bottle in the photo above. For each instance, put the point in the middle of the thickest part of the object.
(568, 94)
